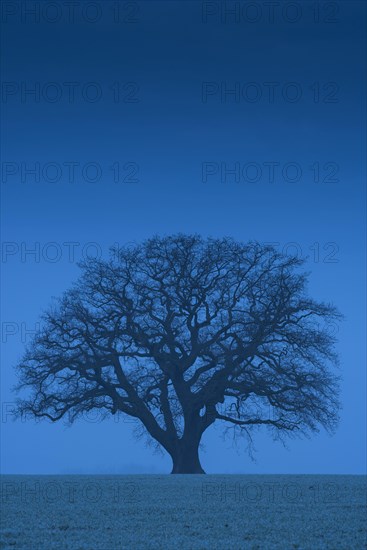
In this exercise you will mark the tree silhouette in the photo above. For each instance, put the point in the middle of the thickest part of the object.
(180, 332)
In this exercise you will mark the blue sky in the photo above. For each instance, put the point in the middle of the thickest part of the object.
(154, 123)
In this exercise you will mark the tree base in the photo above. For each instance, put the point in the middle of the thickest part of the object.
(185, 457)
(187, 463)
(187, 471)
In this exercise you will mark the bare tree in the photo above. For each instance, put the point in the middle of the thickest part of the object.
(181, 332)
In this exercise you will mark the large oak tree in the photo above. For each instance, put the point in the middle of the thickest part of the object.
(181, 332)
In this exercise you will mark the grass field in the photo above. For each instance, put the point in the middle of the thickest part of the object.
(186, 512)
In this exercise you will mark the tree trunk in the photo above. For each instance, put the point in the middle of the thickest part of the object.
(186, 458)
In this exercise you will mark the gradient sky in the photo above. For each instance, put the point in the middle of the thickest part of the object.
(155, 122)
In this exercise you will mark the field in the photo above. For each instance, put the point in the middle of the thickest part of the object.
(187, 512)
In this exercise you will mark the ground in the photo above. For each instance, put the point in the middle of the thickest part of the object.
(183, 511)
